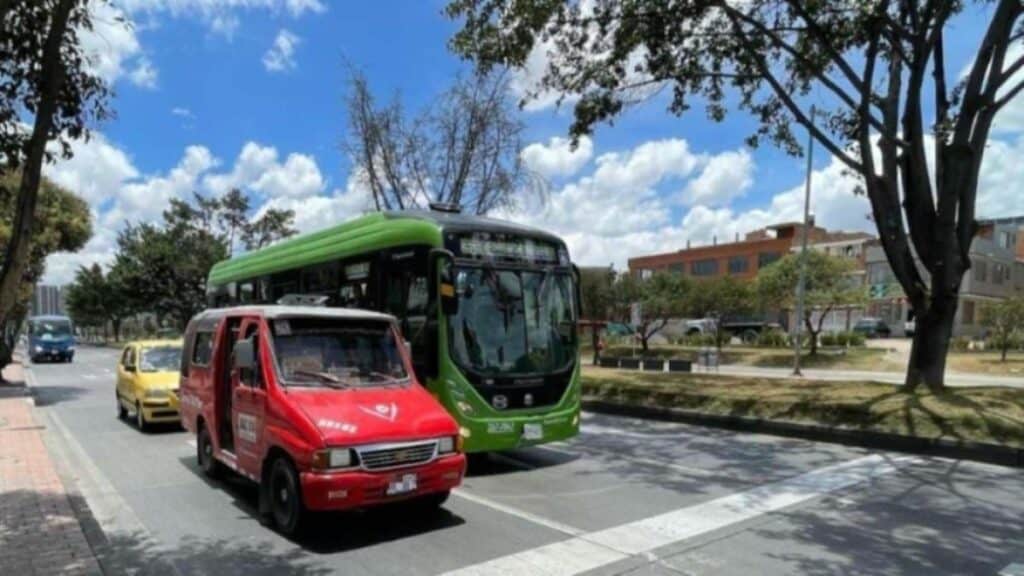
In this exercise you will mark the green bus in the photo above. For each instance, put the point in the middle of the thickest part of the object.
(489, 309)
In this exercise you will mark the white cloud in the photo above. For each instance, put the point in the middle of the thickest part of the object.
(320, 211)
(211, 10)
(112, 46)
(258, 168)
(182, 112)
(96, 172)
(726, 176)
(557, 158)
(144, 75)
(281, 54)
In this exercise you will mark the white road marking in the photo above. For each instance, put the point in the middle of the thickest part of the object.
(635, 459)
(1015, 569)
(599, 429)
(512, 511)
(593, 550)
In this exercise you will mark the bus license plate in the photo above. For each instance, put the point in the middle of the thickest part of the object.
(406, 483)
(533, 431)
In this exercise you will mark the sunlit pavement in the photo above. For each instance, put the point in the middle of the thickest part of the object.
(627, 496)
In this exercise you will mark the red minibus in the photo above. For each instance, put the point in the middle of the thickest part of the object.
(319, 406)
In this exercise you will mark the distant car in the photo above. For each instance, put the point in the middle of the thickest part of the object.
(872, 328)
(147, 377)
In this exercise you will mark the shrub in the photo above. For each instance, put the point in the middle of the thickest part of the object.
(960, 343)
(699, 340)
(772, 339)
(854, 338)
(833, 339)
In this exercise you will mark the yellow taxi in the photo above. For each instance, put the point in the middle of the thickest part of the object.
(147, 377)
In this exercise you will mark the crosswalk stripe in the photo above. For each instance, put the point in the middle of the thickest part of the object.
(593, 550)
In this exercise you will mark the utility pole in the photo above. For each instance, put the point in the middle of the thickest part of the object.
(800, 286)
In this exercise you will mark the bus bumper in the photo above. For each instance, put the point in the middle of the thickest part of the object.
(360, 488)
(509, 433)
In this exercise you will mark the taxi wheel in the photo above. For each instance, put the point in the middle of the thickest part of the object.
(140, 418)
(285, 497)
(204, 454)
(122, 412)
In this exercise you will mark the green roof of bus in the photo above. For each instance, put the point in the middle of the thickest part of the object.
(371, 232)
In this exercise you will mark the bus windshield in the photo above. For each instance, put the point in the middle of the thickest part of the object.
(334, 353)
(50, 328)
(513, 322)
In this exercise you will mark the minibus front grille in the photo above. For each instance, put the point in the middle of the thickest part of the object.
(387, 456)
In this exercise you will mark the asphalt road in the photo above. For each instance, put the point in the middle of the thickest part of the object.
(627, 496)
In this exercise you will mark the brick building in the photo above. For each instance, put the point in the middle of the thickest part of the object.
(743, 258)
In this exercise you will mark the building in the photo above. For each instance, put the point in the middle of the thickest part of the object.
(997, 271)
(48, 299)
(744, 258)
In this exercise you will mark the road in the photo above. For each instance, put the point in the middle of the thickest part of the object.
(627, 496)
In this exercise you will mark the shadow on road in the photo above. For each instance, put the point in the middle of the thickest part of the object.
(50, 395)
(333, 532)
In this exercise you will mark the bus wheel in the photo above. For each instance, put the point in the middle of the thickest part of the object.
(122, 412)
(204, 454)
(285, 497)
(140, 418)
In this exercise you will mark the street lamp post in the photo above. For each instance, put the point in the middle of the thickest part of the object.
(801, 282)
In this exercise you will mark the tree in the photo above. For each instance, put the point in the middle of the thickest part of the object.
(878, 66)
(275, 224)
(462, 150)
(828, 285)
(164, 267)
(45, 75)
(233, 217)
(96, 299)
(1005, 322)
(651, 302)
(62, 224)
(723, 298)
(596, 300)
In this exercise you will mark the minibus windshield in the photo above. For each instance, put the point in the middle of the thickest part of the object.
(337, 353)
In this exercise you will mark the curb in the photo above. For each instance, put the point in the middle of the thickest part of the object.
(975, 451)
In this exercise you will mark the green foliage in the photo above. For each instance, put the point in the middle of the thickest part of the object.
(62, 224)
(655, 300)
(596, 292)
(1005, 323)
(95, 298)
(960, 344)
(772, 339)
(722, 298)
(842, 339)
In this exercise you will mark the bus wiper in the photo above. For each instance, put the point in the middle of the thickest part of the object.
(328, 379)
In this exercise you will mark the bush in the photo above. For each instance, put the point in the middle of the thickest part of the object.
(772, 339)
(699, 340)
(960, 343)
(854, 338)
(833, 339)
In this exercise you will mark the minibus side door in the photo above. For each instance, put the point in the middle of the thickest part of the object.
(249, 398)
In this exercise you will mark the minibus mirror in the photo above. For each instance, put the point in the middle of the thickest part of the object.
(442, 268)
(245, 354)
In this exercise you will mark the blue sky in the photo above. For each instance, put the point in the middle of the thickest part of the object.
(219, 93)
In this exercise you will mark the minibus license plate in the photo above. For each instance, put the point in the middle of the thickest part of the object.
(533, 431)
(402, 484)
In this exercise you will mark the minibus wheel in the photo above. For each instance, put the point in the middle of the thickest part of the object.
(204, 454)
(285, 497)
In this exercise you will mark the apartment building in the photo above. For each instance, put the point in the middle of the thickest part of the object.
(744, 258)
(997, 257)
(47, 299)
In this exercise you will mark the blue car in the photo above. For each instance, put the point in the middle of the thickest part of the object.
(51, 338)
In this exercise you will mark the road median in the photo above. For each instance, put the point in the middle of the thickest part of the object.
(983, 424)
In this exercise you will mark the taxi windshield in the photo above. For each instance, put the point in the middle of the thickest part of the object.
(160, 359)
(337, 353)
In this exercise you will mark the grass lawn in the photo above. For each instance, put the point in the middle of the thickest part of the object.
(993, 415)
(987, 363)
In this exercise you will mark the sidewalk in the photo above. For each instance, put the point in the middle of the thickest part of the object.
(39, 533)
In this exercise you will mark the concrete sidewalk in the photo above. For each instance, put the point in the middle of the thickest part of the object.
(955, 379)
(39, 532)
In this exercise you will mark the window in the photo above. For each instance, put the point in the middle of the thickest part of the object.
(202, 350)
(980, 271)
(355, 286)
(738, 264)
(320, 279)
(707, 267)
(283, 283)
(128, 358)
(646, 273)
(678, 268)
(766, 258)
(246, 292)
(1000, 272)
(880, 273)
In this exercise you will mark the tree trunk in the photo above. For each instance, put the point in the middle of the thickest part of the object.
(117, 329)
(594, 342)
(19, 245)
(931, 345)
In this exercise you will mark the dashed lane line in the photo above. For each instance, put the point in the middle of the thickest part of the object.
(593, 550)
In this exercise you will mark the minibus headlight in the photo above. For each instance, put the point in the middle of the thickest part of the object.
(446, 445)
(332, 458)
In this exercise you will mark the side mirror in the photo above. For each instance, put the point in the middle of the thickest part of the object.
(442, 280)
(244, 354)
